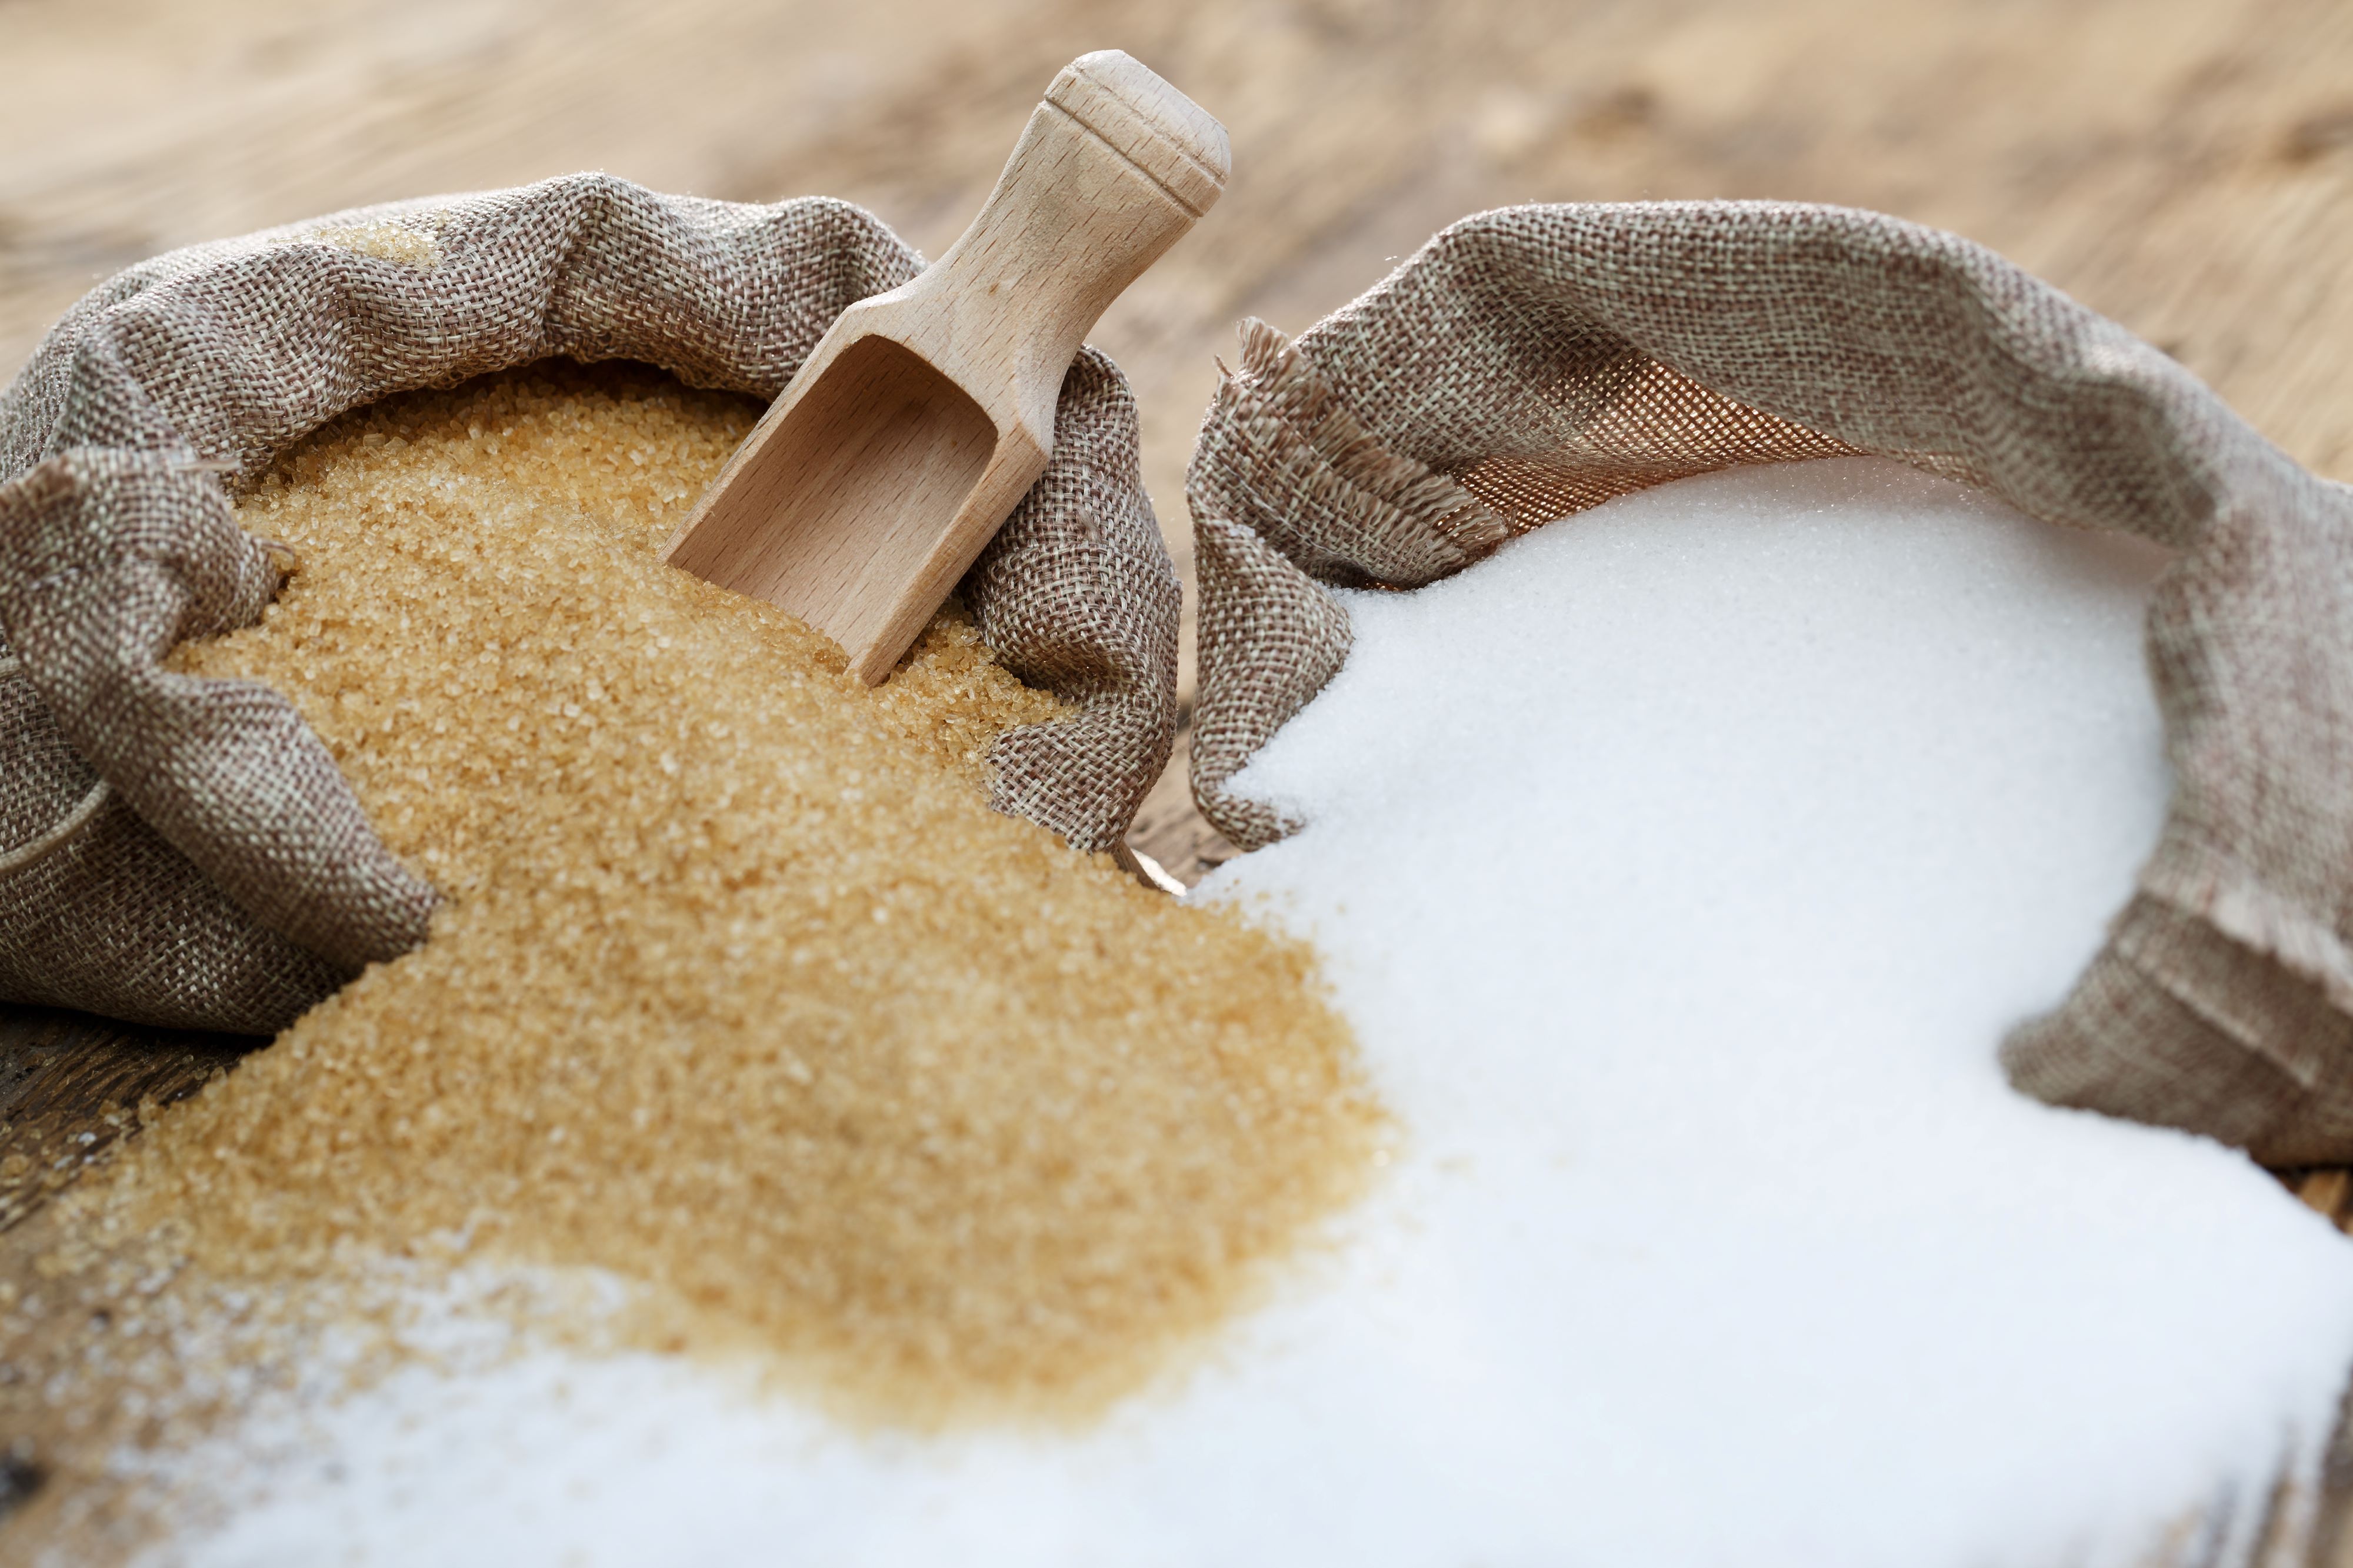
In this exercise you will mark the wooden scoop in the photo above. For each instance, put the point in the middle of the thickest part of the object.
(920, 418)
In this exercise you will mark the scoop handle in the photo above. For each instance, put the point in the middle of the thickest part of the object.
(1114, 167)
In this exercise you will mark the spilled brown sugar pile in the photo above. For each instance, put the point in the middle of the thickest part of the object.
(741, 990)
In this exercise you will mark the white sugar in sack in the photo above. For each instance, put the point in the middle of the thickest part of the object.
(1680, 869)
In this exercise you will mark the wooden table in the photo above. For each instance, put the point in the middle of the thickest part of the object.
(2184, 166)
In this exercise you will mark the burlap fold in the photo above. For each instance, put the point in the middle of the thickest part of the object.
(183, 851)
(1533, 361)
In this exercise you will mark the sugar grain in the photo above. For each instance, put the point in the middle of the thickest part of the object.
(1680, 869)
(741, 992)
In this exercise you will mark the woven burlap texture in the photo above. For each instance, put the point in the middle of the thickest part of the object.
(183, 851)
(1533, 361)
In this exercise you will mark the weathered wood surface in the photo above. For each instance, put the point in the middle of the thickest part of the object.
(2184, 166)
(70, 1085)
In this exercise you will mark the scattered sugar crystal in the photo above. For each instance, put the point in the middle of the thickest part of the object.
(1680, 869)
(412, 247)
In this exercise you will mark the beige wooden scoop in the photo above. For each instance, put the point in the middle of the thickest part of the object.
(920, 419)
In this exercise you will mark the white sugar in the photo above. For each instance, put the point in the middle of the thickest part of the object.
(1680, 869)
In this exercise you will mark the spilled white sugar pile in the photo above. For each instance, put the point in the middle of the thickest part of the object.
(1680, 868)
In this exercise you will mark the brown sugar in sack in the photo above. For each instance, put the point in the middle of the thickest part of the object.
(746, 1029)
(181, 851)
(1529, 362)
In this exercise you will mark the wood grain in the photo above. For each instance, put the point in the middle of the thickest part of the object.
(2185, 166)
(71, 1085)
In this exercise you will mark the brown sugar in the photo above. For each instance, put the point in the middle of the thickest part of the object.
(741, 991)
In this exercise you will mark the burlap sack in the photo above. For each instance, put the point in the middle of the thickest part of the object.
(184, 852)
(1530, 362)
